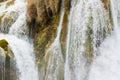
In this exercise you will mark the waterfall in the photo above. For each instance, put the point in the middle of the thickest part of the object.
(54, 57)
(2, 64)
(19, 28)
(23, 52)
(10, 14)
(106, 65)
(92, 50)
(15, 32)
(87, 22)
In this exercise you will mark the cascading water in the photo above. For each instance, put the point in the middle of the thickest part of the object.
(23, 52)
(19, 41)
(10, 14)
(87, 22)
(21, 29)
(88, 55)
(2, 64)
(54, 58)
(106, 64)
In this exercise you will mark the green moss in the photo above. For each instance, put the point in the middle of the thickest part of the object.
(4, 44)
(41, 40)
(10, 3)
(2, 0)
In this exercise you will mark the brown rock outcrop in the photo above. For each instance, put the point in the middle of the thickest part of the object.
(106, 3)
(42, 10)
(45, 19)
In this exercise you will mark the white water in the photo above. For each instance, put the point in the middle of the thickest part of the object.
(107, 65)
(54, 57)
(24, 57)
(2, 63)
(87, 17)
(18, 41)
(19, 28)
(11, 14)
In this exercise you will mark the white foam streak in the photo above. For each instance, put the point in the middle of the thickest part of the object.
(24, 57)
(106, 65)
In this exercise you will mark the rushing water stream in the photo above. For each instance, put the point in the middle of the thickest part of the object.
(23, 52)
(54, 53)
(106, 65)
(19, 41)
(92, 53)
(87, 22)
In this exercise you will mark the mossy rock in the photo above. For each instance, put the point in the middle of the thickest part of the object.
(7, 19)
(4, 44)
(2, 0)
(9, 3)
(2, 15)
(7, 61)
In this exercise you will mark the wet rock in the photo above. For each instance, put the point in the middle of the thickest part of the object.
(4, 44)
(7, 62)
(41, 10)
(7, 19)
(42, 41)
(10, 10)
(106, 3)
(9, 3)
(2, 0)
(47, 31)
(40, 13)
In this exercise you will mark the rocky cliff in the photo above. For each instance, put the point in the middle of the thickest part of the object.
(43, 18)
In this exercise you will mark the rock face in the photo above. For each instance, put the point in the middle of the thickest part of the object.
(2, 0)
(41, 10)
(43, 18)
(4, 44)
(7, 62)
(106, 3)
